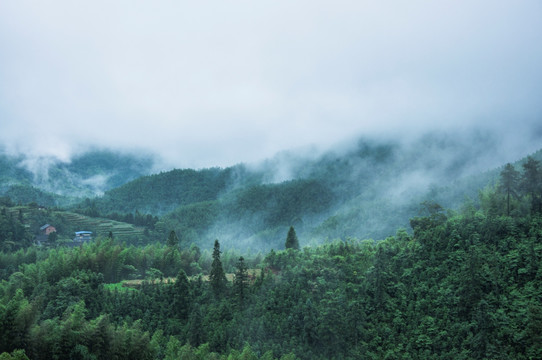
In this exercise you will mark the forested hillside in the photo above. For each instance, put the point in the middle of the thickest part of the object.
(160, 193)
(367, 189)
(465, 284)
(11, 172)
(52, 182)
(252, 218)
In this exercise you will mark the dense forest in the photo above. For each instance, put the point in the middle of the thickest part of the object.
(461, 283)
(367, 190)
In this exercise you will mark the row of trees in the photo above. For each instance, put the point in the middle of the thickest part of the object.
(525, 186)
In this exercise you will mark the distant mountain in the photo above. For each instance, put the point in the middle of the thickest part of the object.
(12, 172)
(367, 189)
(49, 181)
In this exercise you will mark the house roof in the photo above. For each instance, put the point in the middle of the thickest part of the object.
(44, 227)
(83, 232)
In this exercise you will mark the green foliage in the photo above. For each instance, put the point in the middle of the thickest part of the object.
(366, 190)
(517, 194)
(509, 184)
(257, 213)
(279, 204)
(465, 284)
(291, 240)
(182, 297)
(240, 283)
(217, 277)
(14, 355)
(434, 216)
(173, 240)
(26, 194)
(13, 233)
(160, 193)
(191, 221)
(532, 183)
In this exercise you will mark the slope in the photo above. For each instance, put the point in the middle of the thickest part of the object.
(51, 181)
(66, 223)
(365, 189)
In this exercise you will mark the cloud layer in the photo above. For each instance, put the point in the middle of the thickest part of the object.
(217, 83)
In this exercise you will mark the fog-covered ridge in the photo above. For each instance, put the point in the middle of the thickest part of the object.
(366, 188)
(363, 188)
(87, 174)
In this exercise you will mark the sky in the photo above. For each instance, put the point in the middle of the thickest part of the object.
(216, 83)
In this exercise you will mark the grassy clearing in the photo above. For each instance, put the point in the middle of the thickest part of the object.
(118, 286)
(136, 284)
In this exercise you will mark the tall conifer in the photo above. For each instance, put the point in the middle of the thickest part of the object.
(509, 184)
(291, 240)
(217, 277)
(532, 182)
(240, 283)
(172, 239)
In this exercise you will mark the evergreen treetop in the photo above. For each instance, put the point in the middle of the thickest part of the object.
(291, 240)
(217, 277)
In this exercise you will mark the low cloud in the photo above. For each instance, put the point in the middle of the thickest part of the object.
(226, 83)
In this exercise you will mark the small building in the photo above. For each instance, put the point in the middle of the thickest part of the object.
(82, 237)
(47, 229)
(43, 237)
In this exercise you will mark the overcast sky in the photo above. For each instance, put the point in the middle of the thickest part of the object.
(214, 83)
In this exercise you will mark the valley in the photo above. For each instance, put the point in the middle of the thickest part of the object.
(393, 251)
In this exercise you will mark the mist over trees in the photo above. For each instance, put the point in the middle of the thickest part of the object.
(444, 291)
(245, 267)
(366, 189)
(50, 181)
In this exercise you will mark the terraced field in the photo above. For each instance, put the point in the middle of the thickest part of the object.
(102, 227)
(99, 226)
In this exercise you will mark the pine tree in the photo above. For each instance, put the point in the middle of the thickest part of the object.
(240, 282)
(181, 296)
(291, 240)
(532, 182)
(509, 184)
(172, 239)
(217, 277)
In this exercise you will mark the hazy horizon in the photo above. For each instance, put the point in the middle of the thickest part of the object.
(221, 84)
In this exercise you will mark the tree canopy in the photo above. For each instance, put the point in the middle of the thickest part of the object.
(291, 240)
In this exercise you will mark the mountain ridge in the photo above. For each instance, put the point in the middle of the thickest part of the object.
(366, 190)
